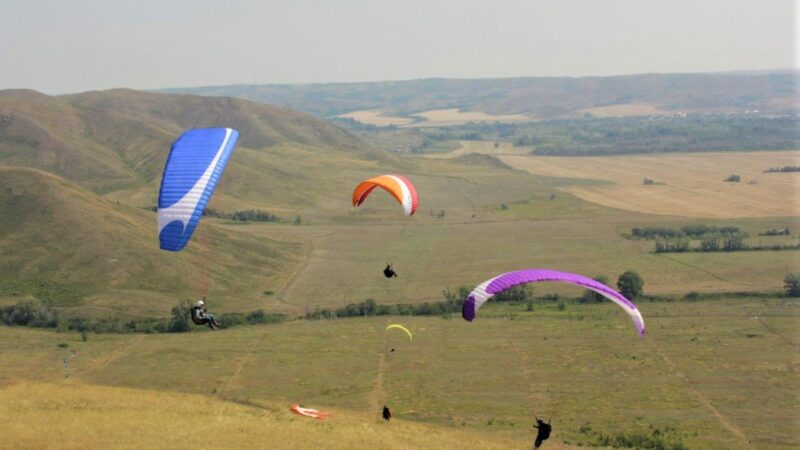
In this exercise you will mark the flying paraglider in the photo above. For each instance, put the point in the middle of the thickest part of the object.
(399, 187)
(193, 169)
(389, 272)
(400, 327)
(201, 317)
(500, 283)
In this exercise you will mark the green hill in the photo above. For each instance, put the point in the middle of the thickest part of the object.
(106, 254)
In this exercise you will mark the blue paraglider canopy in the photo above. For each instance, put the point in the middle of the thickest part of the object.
(194, 167)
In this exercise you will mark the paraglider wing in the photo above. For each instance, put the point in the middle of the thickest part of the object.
(400, 327)
(309, 412)
(399, 187)
(489, 288)
(193, 169)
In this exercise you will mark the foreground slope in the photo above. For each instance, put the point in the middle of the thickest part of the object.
(77, 416)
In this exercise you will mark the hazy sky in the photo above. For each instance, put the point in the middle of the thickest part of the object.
(59, 46)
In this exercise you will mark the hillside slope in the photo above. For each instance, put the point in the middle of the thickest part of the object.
(53, 230)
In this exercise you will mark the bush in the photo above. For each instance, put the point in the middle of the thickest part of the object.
(692, 296)
(27, 313)
(179, 319)
(517, 294)
(630, 284)
(792, 284)
(733, 179)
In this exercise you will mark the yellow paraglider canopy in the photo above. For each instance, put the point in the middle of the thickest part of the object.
(398, 326)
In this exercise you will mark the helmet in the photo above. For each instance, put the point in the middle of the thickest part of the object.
(199, 303)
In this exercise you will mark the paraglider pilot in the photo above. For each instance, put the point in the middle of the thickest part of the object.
(386, 413)
(543, 432)
(201, 317)
(388, 272)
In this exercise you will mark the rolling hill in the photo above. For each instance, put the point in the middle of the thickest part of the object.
(116, 139)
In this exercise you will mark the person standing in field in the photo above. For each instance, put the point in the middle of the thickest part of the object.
(543, 432)
(386, 413)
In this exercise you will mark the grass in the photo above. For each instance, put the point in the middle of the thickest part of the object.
(720, 373)
(76, 416)
(692, 186)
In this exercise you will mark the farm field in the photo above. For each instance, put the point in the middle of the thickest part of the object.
(432, 118)
(454, 116)
(689, 185)
(376, 117)
(489, 377)
(624, 110)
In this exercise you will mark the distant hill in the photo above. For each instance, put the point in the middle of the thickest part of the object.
(117, 139)
(538, 97)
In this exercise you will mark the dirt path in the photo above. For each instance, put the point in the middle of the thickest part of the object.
(100, 363)
(378, 395)
(775, 332)
(706, 271)
(298, 271)
(735, 431)
(245, 358)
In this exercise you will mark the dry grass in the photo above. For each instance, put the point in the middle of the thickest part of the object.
(80, 416)
(376, 117)
(692, 186)
(454, 116)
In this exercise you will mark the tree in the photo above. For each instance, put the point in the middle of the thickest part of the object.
(792, 284)
(630, 284)
(590, 296)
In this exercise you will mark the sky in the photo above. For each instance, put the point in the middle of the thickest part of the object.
(58, 46)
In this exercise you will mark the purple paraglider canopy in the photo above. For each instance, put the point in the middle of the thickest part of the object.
(489, 288)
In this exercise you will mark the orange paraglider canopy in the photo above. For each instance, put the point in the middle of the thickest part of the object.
(399, 187)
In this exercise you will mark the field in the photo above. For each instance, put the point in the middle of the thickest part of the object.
(371, 117)
(626, 109)
(722, 374)
(688, 185)
(433, 118)
(454, 116)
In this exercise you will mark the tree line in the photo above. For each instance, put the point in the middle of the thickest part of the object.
(631, 135)
(40, 315)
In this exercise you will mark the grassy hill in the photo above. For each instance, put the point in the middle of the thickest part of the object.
(538, 97)
(106, 253)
